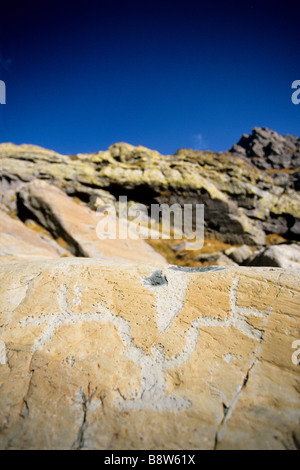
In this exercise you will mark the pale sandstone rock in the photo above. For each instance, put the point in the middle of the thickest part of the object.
(8, 201)
(77, 225)
(16, 240)
(103, 356)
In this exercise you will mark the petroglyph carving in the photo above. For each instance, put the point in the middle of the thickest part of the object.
(170, 295)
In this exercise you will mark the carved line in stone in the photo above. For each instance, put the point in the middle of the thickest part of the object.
(170, 296)
(152, 394)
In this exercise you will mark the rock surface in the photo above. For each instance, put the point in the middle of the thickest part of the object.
(77, 225)
(104, 356)
(244, 201)
(16, 240)
(239, 255)
(268, 150)
(282, 256)
(103, 345)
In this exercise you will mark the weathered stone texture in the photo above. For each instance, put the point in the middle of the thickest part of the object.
(104, 356)
(16, 240)
(75, 224)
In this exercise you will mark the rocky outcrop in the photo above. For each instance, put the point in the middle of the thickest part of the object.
(243, 201)
(270, 151)
(100, 355)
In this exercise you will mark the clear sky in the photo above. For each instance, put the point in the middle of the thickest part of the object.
(83, 75)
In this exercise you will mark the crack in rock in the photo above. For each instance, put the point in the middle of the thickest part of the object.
(79, 441)
(228, 410)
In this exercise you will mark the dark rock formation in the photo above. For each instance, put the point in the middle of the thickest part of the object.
(268, 150)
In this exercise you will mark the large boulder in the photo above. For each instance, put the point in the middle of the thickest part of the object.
(283, 256)
(78, 224)
(100, 355)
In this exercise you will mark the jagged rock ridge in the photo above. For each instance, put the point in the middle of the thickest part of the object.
(268, 150)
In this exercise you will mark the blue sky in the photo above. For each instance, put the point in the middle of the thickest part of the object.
(168, 74)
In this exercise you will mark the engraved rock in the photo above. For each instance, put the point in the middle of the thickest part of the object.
(98, 355)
